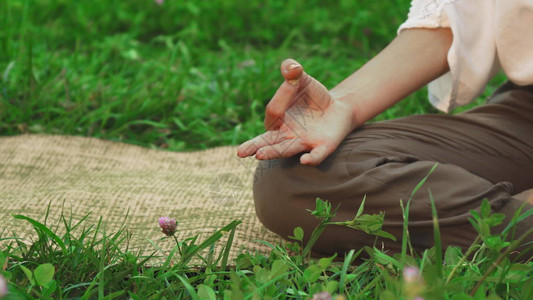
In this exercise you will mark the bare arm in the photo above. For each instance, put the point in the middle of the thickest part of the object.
(413, 59)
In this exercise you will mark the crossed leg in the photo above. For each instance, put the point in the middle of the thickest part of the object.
(483, 153)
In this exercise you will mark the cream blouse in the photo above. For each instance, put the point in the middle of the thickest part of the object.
(488, 35)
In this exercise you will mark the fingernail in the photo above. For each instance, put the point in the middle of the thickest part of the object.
(293, 66)
(294, 81)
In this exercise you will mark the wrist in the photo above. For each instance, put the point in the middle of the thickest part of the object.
(346, 100)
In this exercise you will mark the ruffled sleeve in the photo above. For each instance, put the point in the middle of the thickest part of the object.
(514, 39)
(472, 56)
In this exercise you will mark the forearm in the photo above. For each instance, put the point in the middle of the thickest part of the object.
(413, 59)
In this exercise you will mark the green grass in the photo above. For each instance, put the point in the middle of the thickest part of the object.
(86, 262)
(76, 260)
(184, 75)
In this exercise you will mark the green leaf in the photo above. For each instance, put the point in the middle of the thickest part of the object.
(453, 255)
(474, 224)
(387, 295)
(322, 209)
(480, 294)
(298, 234)
(44, 274)
(235, 279)
(484, 228)
(227, 248)
(367, 223)
(233, 295)
(28, 273)
(114, 295)
(243, 261)
(168, 261)
(279, 267)
(485, 208)
(291, 291)
(351, 277)
(3, 259)
(312, 273)
(495, 219)
(385, 234)
(332, 286)
(361, 207)
(384, 259)
(206, 292)
(134, 296)
(494, 242)
(348, 260)
(188, 287)
(326, 261)
(262, 275)
(527, 289)
(475, 214)
(49, 288)
(370, 223)
(436, 235)
(461, 296)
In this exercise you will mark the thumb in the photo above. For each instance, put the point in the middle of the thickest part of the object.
(285, 96)
(291, 71)
(316, 156)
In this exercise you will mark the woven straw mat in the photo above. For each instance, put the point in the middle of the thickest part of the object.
(203, 190)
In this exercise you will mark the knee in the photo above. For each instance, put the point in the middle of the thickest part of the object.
(271, 192)
(284, 191)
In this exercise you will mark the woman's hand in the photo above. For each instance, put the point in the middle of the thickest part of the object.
(304, 117)
(301, 117)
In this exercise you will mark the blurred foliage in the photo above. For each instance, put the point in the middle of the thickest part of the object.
(182, 75)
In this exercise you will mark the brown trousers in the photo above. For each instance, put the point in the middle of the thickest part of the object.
(486, 152)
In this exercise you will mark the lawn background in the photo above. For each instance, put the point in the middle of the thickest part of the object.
(183, 75)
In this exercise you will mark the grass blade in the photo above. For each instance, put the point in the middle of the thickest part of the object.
(38, 225)
(406, 216)
(188, 287)
(209, 241)
(436, 235)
